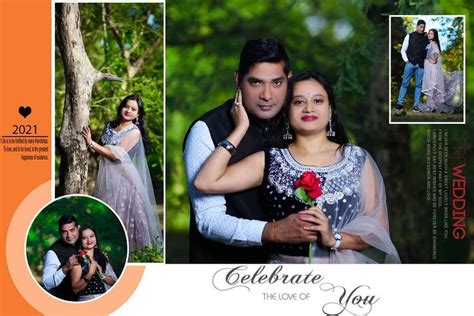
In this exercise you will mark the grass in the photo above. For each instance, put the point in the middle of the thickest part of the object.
(428, 117)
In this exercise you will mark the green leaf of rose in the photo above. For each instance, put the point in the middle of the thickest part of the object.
(300, 193)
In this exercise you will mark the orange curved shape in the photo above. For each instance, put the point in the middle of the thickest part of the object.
(28, 286)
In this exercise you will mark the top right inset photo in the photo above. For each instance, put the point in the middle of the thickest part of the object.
(427, 69)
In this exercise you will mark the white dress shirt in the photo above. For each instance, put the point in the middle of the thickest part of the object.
(52, 274)
(210, 209)
(405, 47)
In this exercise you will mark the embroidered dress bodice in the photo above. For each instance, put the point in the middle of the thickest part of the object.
(340, 182)
(111, 137)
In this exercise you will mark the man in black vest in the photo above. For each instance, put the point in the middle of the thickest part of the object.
(413, 53)
(232, 228)
(60, 258)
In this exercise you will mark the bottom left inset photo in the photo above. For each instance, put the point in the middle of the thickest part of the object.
(76, 248)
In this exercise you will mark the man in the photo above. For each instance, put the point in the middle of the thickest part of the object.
(413, 53)
(220, 223)
(60, 259)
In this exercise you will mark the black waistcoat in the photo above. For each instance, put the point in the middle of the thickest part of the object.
(246, 204)
(64, 289)
(416, 51)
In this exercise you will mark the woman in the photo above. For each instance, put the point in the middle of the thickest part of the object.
(123, 180)
(442, 90)
(433, 80)
(94, 275)
(350, 220)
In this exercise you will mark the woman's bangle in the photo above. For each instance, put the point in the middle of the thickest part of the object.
(273, 230)
(91, 145)
(86, 279)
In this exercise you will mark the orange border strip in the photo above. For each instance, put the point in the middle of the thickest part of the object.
(25, 28)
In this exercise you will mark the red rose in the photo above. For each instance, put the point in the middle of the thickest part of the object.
(309, 181)
(315, 193)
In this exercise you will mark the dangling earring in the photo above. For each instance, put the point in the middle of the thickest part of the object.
(330, 133)
(287, 135)
(136, 121)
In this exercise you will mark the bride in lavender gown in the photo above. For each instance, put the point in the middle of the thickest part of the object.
(442, 90)
(123, 179)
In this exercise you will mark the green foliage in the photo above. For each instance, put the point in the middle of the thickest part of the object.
(88, 211)
(147, 254)
(135, 32)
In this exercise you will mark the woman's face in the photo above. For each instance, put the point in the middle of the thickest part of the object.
(130, 110)
(431, 35)
(88, 240)
(309, 109)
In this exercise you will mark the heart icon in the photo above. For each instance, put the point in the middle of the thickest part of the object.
(24, 111)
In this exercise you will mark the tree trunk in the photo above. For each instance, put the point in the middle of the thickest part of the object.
(80, 77)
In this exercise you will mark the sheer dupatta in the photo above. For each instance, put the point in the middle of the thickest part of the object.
(370, 223)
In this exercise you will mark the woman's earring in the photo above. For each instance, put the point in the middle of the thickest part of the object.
(136, 121)
(330, 133)
(287, 135)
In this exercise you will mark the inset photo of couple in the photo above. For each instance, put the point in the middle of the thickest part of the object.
(427, 69)
(76, 248)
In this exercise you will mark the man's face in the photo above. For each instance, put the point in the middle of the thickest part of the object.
(420, 28)
(264, 89)
(70, 233)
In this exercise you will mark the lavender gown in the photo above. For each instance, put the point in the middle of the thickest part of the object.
(443, 90)
(125, 185)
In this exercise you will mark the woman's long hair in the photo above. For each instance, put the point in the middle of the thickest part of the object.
(140, 120)
(279, 126)
(436, 38)
(98, 255)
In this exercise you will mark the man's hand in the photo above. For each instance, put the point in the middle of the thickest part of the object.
(290, 230)
(70, 263)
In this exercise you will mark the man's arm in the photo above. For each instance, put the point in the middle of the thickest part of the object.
(404, 48)
(210, 210)
(53, 275)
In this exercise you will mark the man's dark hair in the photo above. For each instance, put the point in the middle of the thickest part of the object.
(66, 219)
(262, 50)
(421, 22)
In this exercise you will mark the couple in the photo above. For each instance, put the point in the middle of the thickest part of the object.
(75, 269)
(245, 159)
(123, 180)
(422, 55)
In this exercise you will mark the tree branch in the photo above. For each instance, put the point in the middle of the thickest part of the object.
(107, 76)
(115, 30)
